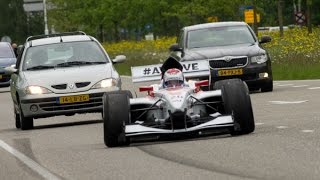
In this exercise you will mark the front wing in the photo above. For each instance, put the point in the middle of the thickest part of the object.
(140, 130)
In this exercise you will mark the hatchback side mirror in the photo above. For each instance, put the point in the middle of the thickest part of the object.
(11, 69)
(175, 47)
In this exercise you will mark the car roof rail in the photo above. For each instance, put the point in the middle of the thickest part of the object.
(55, 35)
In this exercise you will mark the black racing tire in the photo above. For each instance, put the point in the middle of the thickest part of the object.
(268, 87)
(218, 84)
(17, 118)
(25, 122)
(237, 102)
(122, 91)
(116, 110)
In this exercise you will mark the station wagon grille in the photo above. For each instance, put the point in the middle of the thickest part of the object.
(234, 62)
(59, 86)
(82, 84)
(52, 104)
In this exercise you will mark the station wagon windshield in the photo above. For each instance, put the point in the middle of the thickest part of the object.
(219, 36)
(63, 55)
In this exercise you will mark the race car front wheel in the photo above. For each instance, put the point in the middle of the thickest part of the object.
(237, 102)
(116, 114)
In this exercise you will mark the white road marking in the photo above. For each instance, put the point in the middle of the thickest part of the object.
(298, 81)
(288, 102)
(314, 88)
(29, 162)
(282, 127)
(307, 131)
(284, 85)
(258, 124)
(300, 86)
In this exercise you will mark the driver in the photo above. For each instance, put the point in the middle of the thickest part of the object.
(173, 78)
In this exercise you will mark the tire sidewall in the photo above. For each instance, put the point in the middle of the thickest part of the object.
(116, 114)
(237, 102)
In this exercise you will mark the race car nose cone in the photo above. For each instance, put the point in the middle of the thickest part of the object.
(178, 119)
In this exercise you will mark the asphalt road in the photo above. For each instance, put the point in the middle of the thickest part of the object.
(285, 145)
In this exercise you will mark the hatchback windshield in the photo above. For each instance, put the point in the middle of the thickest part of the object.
(5, 51)
(63, 55)
(219, 36)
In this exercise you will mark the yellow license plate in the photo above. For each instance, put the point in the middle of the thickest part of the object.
(73, 99)
(0, 76)
(230, 72)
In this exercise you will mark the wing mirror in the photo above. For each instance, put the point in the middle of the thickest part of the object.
(198, 85)
(119, 59)
(201, 83)
(11, 69)
(175, 47)
(147, 88)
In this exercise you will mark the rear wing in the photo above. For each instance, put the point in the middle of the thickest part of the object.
(191, 69)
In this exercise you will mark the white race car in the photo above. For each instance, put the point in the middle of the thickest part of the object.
(177, 107)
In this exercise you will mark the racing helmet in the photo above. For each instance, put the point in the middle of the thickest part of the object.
(173, 78)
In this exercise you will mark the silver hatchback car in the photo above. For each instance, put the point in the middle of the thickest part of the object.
(61, 74)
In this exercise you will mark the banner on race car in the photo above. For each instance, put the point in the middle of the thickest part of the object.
(198, 68)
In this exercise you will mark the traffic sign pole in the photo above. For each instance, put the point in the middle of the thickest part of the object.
(255, 24)
(46, 31)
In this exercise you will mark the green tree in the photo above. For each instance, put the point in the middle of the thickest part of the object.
(131, 19)
(13, 20)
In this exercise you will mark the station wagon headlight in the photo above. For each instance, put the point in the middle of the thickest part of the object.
(259, 59)
(37, 90)
(106, 83)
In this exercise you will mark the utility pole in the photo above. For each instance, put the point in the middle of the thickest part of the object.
(309, 3)
(280, 17)
(255, 21)
(46, 30)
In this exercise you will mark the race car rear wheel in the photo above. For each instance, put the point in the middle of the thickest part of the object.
(116, 110)
(237, 102)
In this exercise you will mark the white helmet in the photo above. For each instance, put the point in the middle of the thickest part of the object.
(173, 78)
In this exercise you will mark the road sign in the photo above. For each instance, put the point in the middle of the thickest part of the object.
(212, 19)
(300, 18)
(30, 7)
(249, 16)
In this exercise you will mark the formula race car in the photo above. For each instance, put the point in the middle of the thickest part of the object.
(177, 107)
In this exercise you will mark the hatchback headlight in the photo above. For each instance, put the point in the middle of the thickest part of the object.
(259, 59)
(37, 90)
(106, 83)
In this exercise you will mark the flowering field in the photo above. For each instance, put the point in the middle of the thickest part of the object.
(295, 56)
(140, 52)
